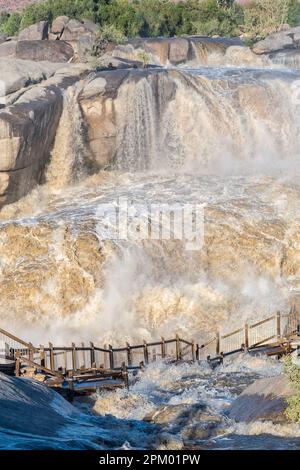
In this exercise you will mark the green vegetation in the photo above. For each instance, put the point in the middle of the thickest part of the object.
(264, 17)
(106, 35)
(293, 373)
(163, 17)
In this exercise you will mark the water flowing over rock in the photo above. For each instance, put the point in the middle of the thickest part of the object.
(177, 51)
(28, 122)
(224, 137)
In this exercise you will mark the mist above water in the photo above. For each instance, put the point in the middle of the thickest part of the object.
(227, 138)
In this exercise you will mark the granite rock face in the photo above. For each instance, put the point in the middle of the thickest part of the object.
(264, 400)
(37, 50)
(35, 32)
(288, 39)
(32, 102)
(175, 51)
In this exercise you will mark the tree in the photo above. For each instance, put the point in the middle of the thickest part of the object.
(215, 19)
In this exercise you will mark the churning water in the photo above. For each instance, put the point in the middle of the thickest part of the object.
(223, 137)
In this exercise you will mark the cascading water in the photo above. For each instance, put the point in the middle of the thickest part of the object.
(137, 127)
(180, 136)
(226, 138)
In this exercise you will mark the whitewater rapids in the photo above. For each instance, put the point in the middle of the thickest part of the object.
(228, 139)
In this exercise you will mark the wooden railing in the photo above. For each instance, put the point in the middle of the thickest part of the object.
(62, 360)
(252, 336)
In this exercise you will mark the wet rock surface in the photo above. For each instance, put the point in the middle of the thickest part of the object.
(265, 399)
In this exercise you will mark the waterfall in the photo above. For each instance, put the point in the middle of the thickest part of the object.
(137, 122)
(218, 137)
(69, 154)
(233, 120)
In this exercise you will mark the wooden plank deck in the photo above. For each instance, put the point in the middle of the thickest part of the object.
(81, 369)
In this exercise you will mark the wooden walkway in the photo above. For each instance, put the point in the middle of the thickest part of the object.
(84, 368)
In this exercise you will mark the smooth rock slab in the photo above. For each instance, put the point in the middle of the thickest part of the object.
(265, 399)
(37, 31)
(51, 51)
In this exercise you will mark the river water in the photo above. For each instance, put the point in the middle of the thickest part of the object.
(228, 139)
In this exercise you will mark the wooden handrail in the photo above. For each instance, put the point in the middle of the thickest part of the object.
(38, 366)
(263, 321)
(53, 353)
(15, 338)
(240, 330)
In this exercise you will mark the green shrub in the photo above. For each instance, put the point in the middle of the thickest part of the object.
(217, 18)
(264, 17)
(293, 373)
(10, 24)
(108, 33)
(294, 13)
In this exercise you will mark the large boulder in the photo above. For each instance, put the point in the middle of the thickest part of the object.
(98, 108)
(51, 51)
(179, 51)
(288, 39)
(35, 32)
(28, 123)
(161, 51)
(58, 26)
(16, 74)
(263, 400)
(81, 36)
(73, 30)
(28, 406)
(8, 49)
(27, 133)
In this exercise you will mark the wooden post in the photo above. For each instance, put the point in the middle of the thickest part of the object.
(42, 356)
(66, 360)
(18, 365)
(30, 352)
(83, 355)
(193, 350)
(217, 343)
(125, 375)
(74, 361)
(146, 353)
(278, 324)
(246, 337)
(70, 392)
(129, 354)
(197, 352)
(163, 348)
(178, 349)
(52, 364)
(154, 355)
(92, 353)
(111, 357)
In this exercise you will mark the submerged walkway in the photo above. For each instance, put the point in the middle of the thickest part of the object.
(83, 368)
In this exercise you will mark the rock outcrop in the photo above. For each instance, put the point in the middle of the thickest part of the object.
(58, 27)
(30, 407)
(264, 400)
(288, 39)
(28, 122)
(175, 51)
(38, 50)
(35, 32)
